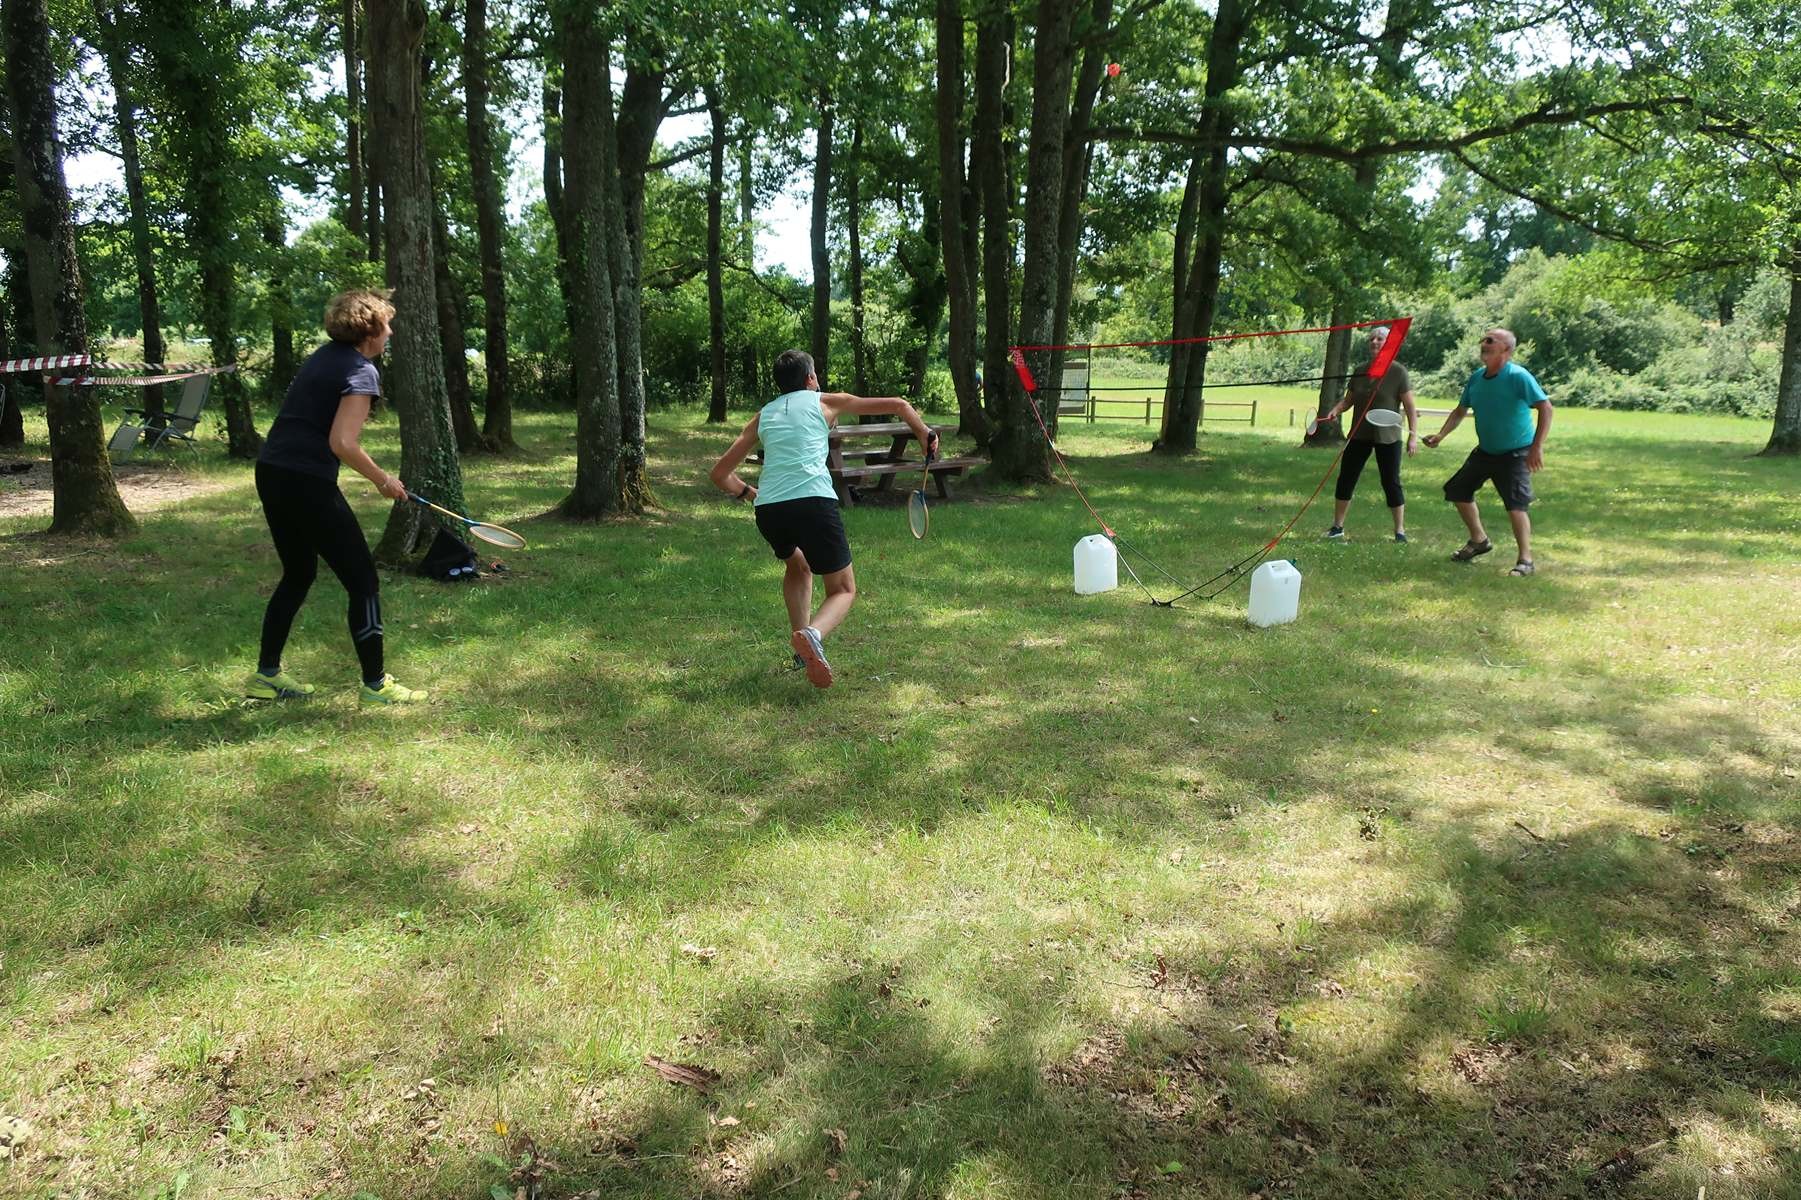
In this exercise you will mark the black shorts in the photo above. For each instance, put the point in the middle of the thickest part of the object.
(812, 525)
(1508, 471)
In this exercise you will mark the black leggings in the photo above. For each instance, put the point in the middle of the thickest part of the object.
(1388, 461)
(310, 520)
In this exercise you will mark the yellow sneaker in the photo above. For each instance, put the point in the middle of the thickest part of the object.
(391, 692)
(280, 686)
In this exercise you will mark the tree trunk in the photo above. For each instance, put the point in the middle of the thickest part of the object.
(1186, 219)
(715, 268)
(16, 307)
(1330, 434)
(212, 186)
(414, 364)
(490, 229)
(1021, 449)
(374, 212)
(218, 286)
(641, 110)
(85, 500)
(958, 267)
(747, 250)
(1388, 73)
(12, 419)
(451, 338)
(853, 181)
(589, 195)
(1332, 384)
(991, 158)
(118, 68)
(1200, 295)
(747, 212)
(353, 139)
(281, 307)
(1785, 429)
(822, 258)
(1078, 161)
(553, 176)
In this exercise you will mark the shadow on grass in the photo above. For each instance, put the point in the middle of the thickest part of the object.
(1271, 1065)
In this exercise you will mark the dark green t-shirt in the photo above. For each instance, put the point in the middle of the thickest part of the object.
(1367, 393)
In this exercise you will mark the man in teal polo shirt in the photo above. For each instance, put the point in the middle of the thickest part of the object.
(1509, 445)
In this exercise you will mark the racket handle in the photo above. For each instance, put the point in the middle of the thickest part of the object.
(415, 496)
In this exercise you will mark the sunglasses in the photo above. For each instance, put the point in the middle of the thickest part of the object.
(1489, 341)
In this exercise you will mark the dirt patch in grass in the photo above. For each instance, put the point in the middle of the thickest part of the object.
(143, 486)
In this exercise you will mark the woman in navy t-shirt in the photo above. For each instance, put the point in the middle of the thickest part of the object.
(321, 425)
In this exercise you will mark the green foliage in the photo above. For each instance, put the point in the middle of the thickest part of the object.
(325, 259)
(1765, 305)
(1729, 372)
(536, 322)
(1596, 337)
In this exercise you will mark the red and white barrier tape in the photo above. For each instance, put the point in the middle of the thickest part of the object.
(153, 368)
(57, 362)
(136, 380)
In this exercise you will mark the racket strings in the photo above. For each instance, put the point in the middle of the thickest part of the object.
(918, 515)
(497, 535)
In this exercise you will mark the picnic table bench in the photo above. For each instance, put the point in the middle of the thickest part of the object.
(850, 464)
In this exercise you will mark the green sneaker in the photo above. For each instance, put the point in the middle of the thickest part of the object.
(280, 686)
(391, 692)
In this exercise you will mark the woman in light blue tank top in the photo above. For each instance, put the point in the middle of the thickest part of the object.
(796, 503)
(796, 438)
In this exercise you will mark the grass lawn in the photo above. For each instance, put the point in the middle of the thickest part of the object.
(1460, 886)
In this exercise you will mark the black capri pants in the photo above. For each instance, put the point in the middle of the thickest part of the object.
(1388, 461)
(309, 520)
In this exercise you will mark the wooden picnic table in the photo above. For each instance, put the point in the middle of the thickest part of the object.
(883, 460)
(850, 463)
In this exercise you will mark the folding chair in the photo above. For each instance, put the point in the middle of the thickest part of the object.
(179, 424)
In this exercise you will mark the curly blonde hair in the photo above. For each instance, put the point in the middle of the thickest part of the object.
(356, 315)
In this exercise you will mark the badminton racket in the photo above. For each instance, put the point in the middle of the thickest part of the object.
(919, 516)
(494, 535)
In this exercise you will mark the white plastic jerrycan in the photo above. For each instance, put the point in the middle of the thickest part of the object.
(1275, 593)
(1097, 565)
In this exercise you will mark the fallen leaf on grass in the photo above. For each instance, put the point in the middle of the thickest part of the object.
(700, 1079)
(13, 1133)
(703, 953)
(1625, 1163)
(727, 1122)
(836, 1140)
